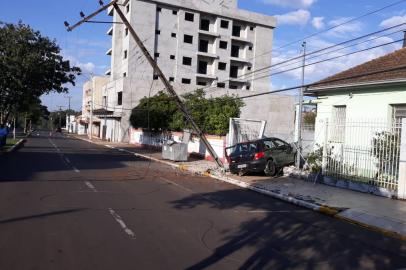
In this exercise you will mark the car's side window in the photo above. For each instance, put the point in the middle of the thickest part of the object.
(279, 143)
(269, 145)
(253, 147)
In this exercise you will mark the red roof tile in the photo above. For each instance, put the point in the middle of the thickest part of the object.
(371, 71)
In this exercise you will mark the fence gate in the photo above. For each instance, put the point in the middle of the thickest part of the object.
(242, 130)
(363, 151)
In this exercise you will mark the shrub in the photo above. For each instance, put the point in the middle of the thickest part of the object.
(211, 115)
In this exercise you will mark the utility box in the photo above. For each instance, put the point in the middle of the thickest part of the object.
(174, 151)
(177, 151)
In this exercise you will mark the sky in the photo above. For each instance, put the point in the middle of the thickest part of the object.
(86, 46)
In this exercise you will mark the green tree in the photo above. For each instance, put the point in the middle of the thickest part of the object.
(211, 115)
(309, 118)
(219, 112)
(197, 105)
(154, 113)
(30, 66)
(54, 116)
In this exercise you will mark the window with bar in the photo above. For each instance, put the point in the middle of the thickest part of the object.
(338, 123)
(398, 112)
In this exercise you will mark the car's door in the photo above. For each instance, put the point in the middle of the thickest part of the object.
(285, 151)
(271, 150)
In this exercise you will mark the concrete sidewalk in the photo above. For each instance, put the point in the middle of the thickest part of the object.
(377, 213)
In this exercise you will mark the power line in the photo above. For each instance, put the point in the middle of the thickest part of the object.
(311, 64)
(311, 53)
(337, 26)
(403, 67)
(326, 60)
(336, 57)
(345, 47)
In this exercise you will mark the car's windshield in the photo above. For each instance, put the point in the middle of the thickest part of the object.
(242, 148)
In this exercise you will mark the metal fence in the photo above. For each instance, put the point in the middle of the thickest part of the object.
(364, 151)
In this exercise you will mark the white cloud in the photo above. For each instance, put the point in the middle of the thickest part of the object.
(291, 3)
(86, 67)
(299, 17)
(345, 29)
(322, 70)
(395, 20)
(318, 23)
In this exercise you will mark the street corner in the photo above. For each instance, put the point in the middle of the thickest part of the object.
(328, 210)
(183, 167)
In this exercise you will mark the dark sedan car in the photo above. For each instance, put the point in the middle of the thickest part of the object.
(265, 155)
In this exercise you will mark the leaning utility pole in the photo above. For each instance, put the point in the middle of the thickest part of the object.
(300, 111)
(181, 106)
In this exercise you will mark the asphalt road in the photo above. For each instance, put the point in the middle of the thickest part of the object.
(69, 204)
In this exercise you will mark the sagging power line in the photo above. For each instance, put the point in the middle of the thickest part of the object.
(335, 26)
(263, 69)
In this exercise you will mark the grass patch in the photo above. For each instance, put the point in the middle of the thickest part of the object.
(10, 143)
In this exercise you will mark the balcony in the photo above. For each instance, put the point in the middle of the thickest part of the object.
(109, 52)
(206, 76)
(238, 80)
(242, 40)
(110, 31)
(209, 34)
(208, 55)
(240, 60)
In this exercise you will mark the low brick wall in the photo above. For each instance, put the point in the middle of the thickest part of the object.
(195, 147)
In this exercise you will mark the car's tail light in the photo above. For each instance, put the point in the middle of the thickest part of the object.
(259, 155)
(228, 159)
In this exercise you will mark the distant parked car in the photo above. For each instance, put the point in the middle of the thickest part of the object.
(266, 155)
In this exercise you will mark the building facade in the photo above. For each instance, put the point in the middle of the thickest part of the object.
(359, 123)
(92, 93)
(211, 45)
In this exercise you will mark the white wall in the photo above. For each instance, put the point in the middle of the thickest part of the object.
(194, 146)
(363, 105)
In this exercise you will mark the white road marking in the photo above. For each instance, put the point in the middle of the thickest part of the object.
(90, 185)
(129, 152)
(61, 155)
(122, 224)
(67, 160)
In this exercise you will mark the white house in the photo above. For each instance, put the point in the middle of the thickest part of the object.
(359, 120)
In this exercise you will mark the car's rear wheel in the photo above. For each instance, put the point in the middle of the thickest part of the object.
(270, 169)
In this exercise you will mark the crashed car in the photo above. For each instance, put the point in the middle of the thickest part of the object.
(268, 155)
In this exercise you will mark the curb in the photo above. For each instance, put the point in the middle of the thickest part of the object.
(322, 209)
(15, 146)
(385, 232)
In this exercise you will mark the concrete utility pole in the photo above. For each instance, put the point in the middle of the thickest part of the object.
(91, 109)
(14, 128)
(25, 123)
(300, 110)
(158, 71)
(60, 116)
(68, 114)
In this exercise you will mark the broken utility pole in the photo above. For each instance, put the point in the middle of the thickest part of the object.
(181, 106)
